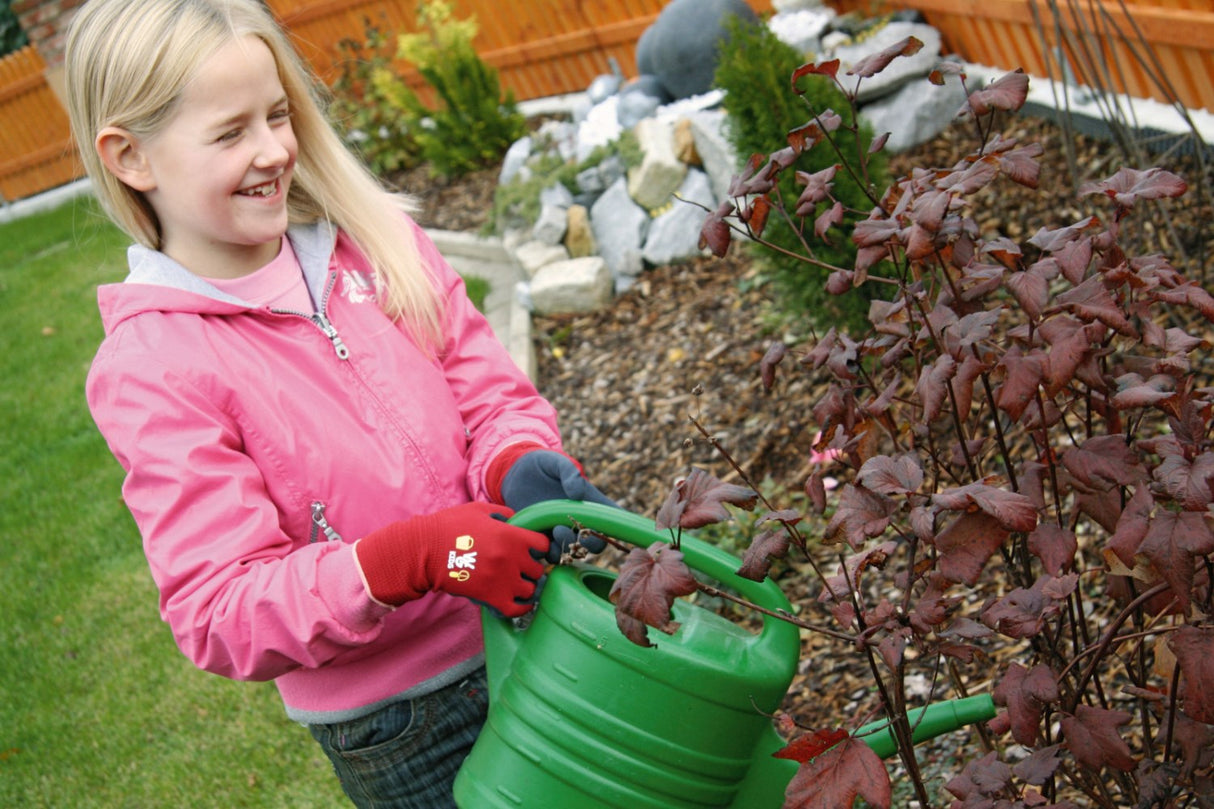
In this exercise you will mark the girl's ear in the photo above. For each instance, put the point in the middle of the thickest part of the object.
(123, 156)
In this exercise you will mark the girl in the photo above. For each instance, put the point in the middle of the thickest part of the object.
(320, 434)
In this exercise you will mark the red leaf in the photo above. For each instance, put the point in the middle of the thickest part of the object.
(650, 579)
(1091, 736)
(1023, 612)
(861, 514)
(829, 68)
(808, 746)
(886, 475)
(874, 63)
(1055, 546)
(1031, 289)
(1188, 482)
(817, 188)
(1013, 510)
(1172, 544)
(982, 777)
(1133, 391)
(1021, 166)
(755, 214)
(847, 771)
(1194, 650)
(1132, 526)
(965, 545)
(1091, 300)
(715, 233)
(699, 499)
(932, 388)
(1008, 92)
(764, 548)
(830, 217)
(1026, 693)
(1023, 375)
(767, 367)
(1129, 185)
(1040, 765)
(1102, 462)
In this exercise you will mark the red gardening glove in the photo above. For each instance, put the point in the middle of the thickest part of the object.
(467, 550)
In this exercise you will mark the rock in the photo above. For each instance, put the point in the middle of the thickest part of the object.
(601, 127)
(681, 47)
(900, 70)
(802, 29)
(516, 157)
(579, 238)
(533, 256)
(675, 234)
(916, 113)
(636, 104)
(550, 227)
(574, 285)
(685, 143)
(783, 6)
(619, 226)
(717, 154)
(660, 173)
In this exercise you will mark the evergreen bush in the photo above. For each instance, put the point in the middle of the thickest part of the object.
(754, 70)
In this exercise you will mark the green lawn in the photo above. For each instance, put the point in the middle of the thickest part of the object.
(97, 706)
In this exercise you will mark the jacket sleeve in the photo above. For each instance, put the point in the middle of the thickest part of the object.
(242, 599)
(498, 402)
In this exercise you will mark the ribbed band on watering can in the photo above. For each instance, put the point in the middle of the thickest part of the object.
(582, 717)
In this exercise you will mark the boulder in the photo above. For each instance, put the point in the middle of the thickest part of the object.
(900, 70)
(916, 113)
(574, 285)
(661, 172)
(675, 234)
(619, 226)
(681, 47)
(579, 237)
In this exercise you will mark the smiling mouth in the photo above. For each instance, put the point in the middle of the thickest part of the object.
(265, 190)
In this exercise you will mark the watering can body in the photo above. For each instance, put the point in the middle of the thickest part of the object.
(582, 717)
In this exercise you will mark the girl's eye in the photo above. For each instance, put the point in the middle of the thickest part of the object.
(283, 114)
(229, 136)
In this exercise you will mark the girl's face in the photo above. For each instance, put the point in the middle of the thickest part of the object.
(219, 172)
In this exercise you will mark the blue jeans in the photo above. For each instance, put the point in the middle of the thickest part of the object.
(406, 755)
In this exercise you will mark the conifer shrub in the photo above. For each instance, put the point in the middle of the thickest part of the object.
(754, 70)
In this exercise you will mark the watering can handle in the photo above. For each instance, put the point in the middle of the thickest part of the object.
(640, 531)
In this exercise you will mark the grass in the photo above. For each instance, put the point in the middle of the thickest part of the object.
(97, 706)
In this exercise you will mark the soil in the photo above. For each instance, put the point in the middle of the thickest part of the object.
(639, 386)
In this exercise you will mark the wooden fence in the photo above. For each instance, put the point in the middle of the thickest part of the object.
(550, 47)
(1158, 49)
(35, 147)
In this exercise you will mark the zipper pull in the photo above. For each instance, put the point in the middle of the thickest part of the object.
(321, 525)
(331, 332)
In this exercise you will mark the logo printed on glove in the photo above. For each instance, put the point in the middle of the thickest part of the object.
(462, 560)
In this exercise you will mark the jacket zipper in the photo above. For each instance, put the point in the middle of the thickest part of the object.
(321, 525)
(322, 322)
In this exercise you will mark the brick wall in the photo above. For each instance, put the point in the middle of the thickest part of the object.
(45, 23)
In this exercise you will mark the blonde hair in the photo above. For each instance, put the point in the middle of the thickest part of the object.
(127, 63)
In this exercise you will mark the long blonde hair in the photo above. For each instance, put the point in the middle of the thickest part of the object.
(127, 64)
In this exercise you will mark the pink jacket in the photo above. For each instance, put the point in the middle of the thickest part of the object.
(259, 445)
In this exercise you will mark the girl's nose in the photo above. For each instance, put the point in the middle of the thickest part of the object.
(272, 150)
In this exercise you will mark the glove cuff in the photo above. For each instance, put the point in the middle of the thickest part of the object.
(500, 466)
(393, 568)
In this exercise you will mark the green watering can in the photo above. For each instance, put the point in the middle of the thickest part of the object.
(582, 718)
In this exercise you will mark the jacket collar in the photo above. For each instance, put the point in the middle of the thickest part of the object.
(313, 245)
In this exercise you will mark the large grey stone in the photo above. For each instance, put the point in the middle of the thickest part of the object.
(682, 46)
(900, 70)
(675, 235)
(515, 159)
(915, 113)
(575, 285)
(619, 227)
(717, 155)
